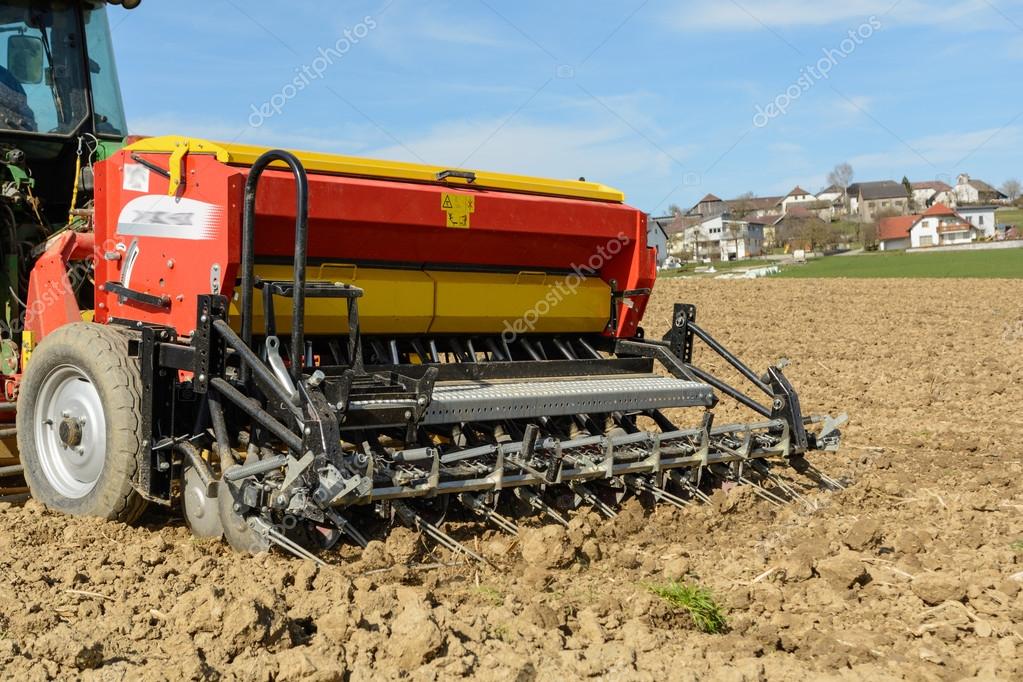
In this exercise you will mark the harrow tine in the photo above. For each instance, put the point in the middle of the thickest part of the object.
(835, 485)
(347, 528)
(691, 489)
(432, 531)
(591, 498)
(785, 487)
(292, 547)
(762, 492)
(476, 505)
(536, 502)
(659, 494)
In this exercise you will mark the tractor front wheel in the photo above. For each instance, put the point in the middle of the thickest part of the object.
(80, 423)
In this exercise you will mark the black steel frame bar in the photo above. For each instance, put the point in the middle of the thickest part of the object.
(249, 248)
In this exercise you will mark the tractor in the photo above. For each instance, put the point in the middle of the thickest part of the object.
(292, 347)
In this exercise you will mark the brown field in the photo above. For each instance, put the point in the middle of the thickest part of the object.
(907, 574)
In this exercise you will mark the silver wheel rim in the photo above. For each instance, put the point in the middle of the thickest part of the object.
(70, 432)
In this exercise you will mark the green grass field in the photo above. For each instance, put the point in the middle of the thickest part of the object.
(983, 264)
(1011, 216)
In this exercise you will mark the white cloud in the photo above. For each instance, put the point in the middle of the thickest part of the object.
(603, 153)
(348, 139)
(940, 154)
(854, 105)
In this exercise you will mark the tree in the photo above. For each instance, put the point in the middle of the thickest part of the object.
(868, 232)
(872, 231)
(841, 176)
(675, 210)
(1012, 189)
(909, 191)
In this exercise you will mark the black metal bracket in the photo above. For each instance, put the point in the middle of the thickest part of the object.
(786, 407)
(468, 176)
(163, 172)
(209, 356)
(680, 337)
(124, 294)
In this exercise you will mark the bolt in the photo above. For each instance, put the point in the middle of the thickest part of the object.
(202, 377)
(170, 263)
(237, 507)
(203, 319)
(408, 414)
(421, 401)
(308, 430)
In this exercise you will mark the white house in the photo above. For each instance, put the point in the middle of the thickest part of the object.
(970, 191)
(797, 196)
(722, 237)
(981, 217)
(939, 225)
(657, 236)
(926, 194)
(830, 193)
(893, 232)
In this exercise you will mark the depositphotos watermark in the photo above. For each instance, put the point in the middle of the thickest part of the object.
(563, 288)
(809, 76)
(309, 73)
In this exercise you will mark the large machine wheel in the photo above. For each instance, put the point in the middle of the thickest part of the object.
(80, 423)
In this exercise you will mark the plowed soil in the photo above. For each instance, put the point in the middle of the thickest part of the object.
(914, 571)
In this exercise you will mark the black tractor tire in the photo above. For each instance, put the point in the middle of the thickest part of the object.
(97, 382)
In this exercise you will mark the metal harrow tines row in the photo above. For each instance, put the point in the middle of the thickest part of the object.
(550, 477)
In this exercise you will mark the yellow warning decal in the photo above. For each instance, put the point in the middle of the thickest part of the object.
(458, 208)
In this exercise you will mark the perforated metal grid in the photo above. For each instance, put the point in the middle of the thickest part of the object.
(481, 401)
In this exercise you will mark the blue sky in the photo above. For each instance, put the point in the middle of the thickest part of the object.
(665, 100)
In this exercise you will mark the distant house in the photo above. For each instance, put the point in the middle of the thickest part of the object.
(940, 225)
(797, 196)
(830, 193)
(708, 206)
(834, 196)
(893, 232)
(970, 191)
(981, 217)
(722, 237)
(926, 194)
(868, 199)
(657, 236)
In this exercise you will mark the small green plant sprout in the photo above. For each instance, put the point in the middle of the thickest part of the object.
(697, 601)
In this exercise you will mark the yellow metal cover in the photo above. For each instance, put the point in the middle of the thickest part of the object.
(443, 302)
(317, 162)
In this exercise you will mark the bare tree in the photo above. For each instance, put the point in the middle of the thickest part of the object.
(871, 232)
(841, 176)
(868, 233)
(1012, 189)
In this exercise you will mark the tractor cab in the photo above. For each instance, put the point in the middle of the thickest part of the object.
(59, 95)
(60, 111)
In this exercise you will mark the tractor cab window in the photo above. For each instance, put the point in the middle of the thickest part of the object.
(42, 82)
(106, 90)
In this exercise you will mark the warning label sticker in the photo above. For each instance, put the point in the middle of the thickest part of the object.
(458, 208)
